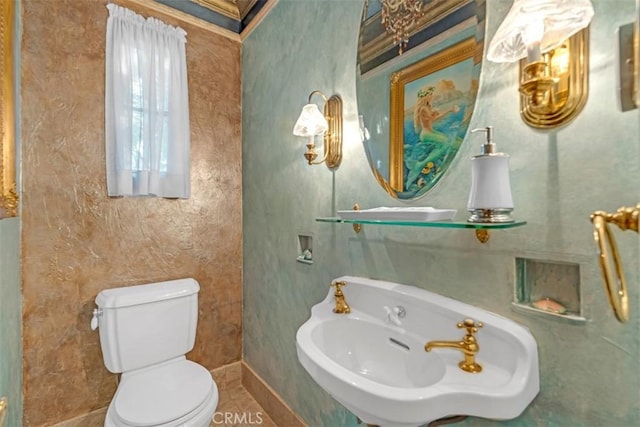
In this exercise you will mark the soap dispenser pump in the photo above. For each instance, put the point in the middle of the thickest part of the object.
(490, 197)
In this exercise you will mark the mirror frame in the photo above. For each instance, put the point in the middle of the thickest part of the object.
(8, 193)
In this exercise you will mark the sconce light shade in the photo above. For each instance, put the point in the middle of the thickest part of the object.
(312, 122)
(550, 38)
(537, 25)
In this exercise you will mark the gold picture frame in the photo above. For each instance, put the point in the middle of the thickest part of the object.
(636, 56)
(447, 78)
(8, 192)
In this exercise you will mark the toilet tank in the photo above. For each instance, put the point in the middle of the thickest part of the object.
(147, 324)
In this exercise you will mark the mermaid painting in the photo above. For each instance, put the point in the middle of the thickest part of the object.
(433, 136)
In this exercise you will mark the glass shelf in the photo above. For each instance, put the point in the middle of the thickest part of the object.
(441, 224)
(481, 229)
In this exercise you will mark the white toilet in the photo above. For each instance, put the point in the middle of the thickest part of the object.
(145, 332)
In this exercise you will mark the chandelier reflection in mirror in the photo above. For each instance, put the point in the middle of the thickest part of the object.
(399, 17)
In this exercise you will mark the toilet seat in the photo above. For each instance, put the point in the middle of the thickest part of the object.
(163, 395)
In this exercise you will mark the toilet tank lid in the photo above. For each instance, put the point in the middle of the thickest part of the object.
(143, 294)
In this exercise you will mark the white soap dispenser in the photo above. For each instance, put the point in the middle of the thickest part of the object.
(490, 197)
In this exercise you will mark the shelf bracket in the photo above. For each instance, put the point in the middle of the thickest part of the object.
(357, 227)
(482, 234)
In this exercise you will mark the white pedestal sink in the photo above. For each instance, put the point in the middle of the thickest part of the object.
(373, 360)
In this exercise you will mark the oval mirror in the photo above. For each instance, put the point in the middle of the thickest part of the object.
(417, 79)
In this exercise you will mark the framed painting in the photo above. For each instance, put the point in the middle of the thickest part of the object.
(8, 194)
(431, 105)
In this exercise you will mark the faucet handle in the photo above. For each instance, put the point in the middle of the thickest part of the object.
(470, 325)
(338, 285)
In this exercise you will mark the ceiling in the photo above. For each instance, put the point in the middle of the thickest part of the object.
(232, 15)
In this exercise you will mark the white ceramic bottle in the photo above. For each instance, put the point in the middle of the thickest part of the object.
(490, 198)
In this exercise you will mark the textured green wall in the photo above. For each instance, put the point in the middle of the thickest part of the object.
(589, 373)
(10, 320)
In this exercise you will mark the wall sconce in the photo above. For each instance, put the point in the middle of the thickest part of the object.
(312, 122)
(550, 39)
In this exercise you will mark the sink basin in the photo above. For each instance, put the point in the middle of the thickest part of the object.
(373, 360)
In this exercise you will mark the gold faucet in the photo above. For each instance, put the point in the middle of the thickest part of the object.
(468, 346)
(341, 304)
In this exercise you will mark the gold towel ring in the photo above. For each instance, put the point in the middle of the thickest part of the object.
(618, 297)
(3, 410)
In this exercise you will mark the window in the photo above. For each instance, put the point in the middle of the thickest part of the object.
(146, 107)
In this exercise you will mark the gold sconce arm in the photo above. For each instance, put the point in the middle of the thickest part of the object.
(626, 219)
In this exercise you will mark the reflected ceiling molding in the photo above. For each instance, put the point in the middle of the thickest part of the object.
(236, 16)
(376, 47)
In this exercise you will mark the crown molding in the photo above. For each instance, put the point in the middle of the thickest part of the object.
(253, 24)
(155, 6)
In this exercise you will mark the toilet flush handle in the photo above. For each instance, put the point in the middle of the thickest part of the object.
(97, 312)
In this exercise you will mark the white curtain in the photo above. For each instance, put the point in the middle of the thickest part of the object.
(147, 111)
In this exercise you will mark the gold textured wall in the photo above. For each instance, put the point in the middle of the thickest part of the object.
(77, 241)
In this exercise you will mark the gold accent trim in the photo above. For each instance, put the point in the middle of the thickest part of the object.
(229, 8)
(258, 19)
(383, 183)
(483, 235)
(8, 191)
(3, 410)
(626, 219)
(357, 227)
(468, 345)
(333, 137)
(549, 98)
(341, 303)
(443, 59)
(636, 56)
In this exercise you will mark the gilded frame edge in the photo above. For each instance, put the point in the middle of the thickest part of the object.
(461, 51)
(8, 192)
(636, 56)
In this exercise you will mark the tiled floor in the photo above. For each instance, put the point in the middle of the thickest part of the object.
(237, 408)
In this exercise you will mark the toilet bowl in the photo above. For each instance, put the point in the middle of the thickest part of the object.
(177, 393)
(145, 332)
